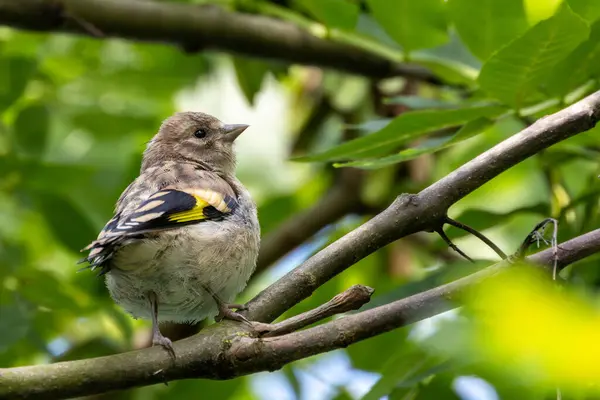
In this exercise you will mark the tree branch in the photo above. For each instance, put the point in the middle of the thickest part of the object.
(198, 28)
(228, 349)
(413, 213)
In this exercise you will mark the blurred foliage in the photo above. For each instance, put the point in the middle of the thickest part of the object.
(75, 114)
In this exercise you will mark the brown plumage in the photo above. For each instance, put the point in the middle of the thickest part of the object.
(185, 235)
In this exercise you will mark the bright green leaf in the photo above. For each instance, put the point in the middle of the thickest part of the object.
(468, 131)
(487, 25)
(31, 130)
(514, 71)
(341, 14)
(538, 10)
(401, 130)
(250, 75)
(413, 24)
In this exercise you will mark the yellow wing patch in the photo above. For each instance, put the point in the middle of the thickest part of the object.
(196, 213)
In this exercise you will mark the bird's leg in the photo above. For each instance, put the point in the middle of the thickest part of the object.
(157, 337)
(226, 309)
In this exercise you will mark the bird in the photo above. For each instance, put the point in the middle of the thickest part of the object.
(185, 235)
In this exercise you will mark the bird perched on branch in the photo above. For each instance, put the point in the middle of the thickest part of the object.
(185, 236)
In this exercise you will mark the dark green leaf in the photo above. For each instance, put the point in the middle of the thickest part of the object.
(582, 64)
(587, 9)
(413, 24)
(15, 321)
(43, 289)
(404, 393)
(342, 14)
(250, 74)
(209, 389)
(469, 130)
(407, 362)
(515, 71)
(440, 387)
(487, 25)
(31, 130)
(402, 129)
(69, 224)
(14, 75)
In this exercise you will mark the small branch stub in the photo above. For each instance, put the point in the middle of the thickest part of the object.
(351, 299)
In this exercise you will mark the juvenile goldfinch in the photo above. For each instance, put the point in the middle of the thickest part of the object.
(185, 235)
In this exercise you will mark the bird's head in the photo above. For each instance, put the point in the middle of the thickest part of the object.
(197, 138)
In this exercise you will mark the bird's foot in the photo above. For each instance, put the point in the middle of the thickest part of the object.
(226, 312)
(165, 342)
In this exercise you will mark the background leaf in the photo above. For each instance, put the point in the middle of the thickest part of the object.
(413, 24)
(512, 73)
(487, 25)
(467, 131)
(402, 129)
(342, 14)
(14, 76)
(31, 130)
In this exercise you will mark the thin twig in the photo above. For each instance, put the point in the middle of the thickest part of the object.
(351, 299)
(87, 26)
(477, 234)
(443, 235)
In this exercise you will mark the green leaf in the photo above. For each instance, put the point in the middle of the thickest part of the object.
(469, 130)
(341, 14)
(404, 393)
(587, 9)
(69, 224)
(440, 387)
(402, 129)
(512, 73)
(579, 66)
(31, 130)
(408, 361)
(210, 389)
(15, 321)
(420, 103)
(43, 289)
(14, 75)
(487, 25)
(448, 70)
(413, 24)
(250, 75)
(538, 10)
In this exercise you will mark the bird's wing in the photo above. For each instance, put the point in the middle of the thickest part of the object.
(168, 208)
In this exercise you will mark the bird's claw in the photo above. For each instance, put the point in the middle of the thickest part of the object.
(165, 342)
(226, 312)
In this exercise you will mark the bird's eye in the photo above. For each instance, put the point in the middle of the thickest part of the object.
(200, 133)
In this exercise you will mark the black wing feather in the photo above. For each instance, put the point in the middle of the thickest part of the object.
(151, 216)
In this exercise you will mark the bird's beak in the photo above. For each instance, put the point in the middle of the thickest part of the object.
(232, 131)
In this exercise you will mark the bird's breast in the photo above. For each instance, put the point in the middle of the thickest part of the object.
(176, 264)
